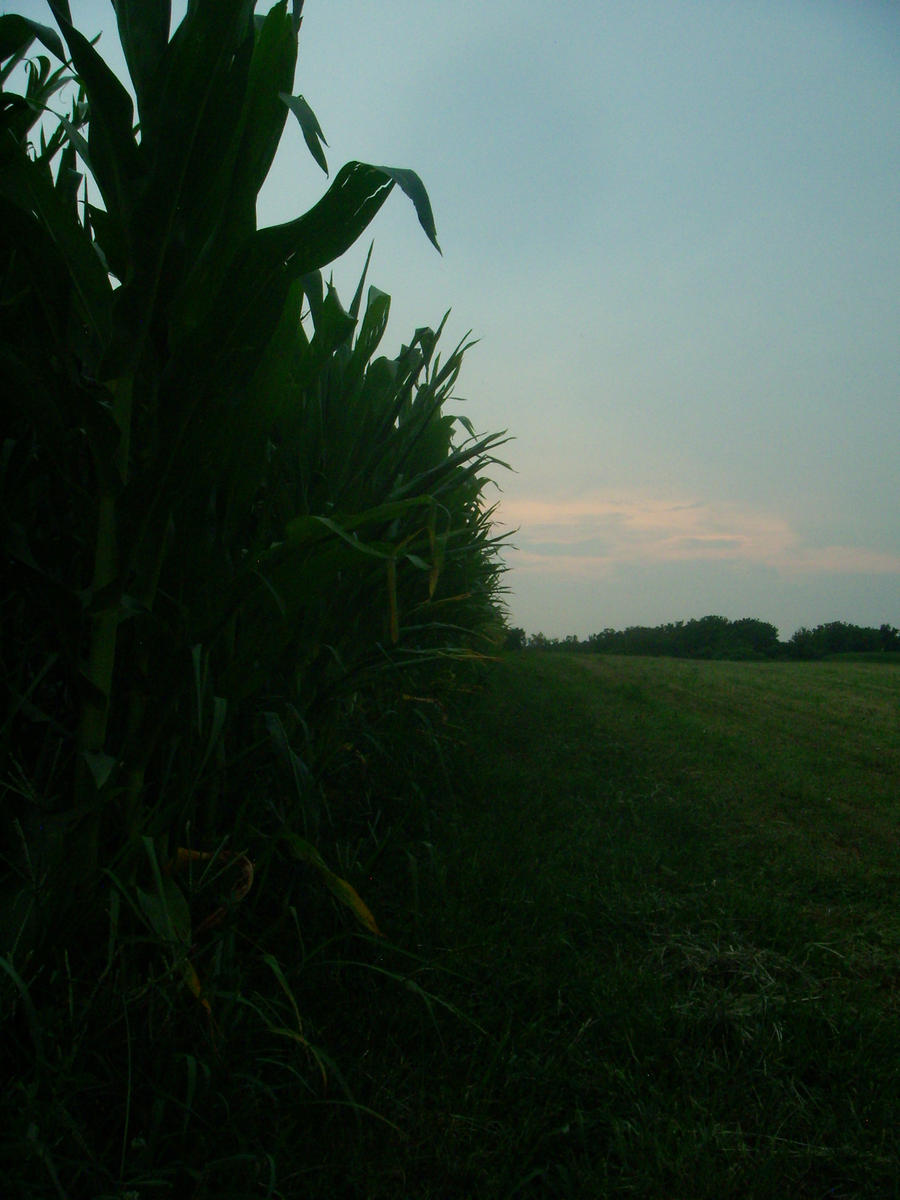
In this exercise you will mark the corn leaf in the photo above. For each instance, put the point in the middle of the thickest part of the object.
(167, 912)
(340, 888)
(25, 185)
(409, 182)
(310, 127)
(114, 154)
(17, 33)
(144, 34)
(263, 115)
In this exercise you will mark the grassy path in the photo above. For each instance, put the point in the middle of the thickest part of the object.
(666, 892)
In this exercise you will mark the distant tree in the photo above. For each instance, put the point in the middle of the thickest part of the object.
(760, 636)
(803, 644)
(515, 639)
(539, 641)
(706, 638)
(746, 638)
(838, 637)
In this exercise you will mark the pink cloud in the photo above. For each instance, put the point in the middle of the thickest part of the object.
(589, 535)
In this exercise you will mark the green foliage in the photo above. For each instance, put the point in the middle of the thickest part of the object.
(516, 639)
(840, 637)
(719, 637)
(234, 537)
(204, 498)
(709, 637)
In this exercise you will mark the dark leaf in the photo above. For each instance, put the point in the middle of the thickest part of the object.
(357, 296)
(17, 33)
(144, 34)
(263, 117)
(101, 766)
(312, 130)
(114, 152)
(27, 186)
(409, 182)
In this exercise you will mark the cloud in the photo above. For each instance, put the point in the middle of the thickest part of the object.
(845, 560)
(599, 533)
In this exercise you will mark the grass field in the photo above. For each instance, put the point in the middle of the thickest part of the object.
(647, 945)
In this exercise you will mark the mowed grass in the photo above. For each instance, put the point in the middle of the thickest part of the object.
(655, 921)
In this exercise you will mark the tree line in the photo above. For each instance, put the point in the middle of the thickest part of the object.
(719, 637)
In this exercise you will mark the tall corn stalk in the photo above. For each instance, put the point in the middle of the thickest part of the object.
(229, 530)
(216, 505)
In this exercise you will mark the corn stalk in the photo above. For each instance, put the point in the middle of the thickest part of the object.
(206, 462)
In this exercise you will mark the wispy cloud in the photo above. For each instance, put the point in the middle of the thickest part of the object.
(598, 533)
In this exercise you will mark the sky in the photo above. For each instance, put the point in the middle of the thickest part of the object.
(674, 228)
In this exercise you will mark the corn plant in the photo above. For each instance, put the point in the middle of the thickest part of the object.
(157, 352)
(227, 525)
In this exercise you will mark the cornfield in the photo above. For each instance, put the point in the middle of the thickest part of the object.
(235, 537)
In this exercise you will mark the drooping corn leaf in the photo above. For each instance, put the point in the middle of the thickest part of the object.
(409, 182)
(17, 33)
(340, 888)
(310, 127)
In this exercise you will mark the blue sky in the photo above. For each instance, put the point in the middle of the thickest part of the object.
(674, 225)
